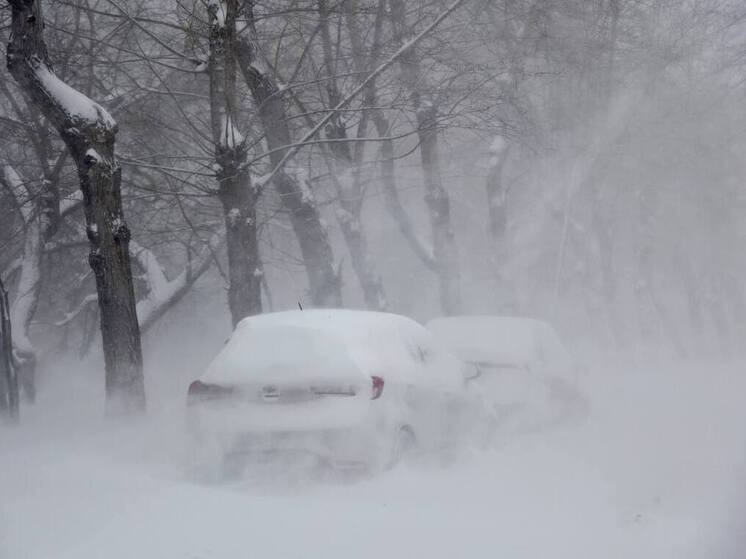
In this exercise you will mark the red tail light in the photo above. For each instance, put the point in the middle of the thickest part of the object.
(199, 390)
(377, 387)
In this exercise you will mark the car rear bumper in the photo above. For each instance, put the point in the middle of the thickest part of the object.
(362, 445)
(339, 448)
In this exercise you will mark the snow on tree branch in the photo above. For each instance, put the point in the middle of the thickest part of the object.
(218, 10)
(14, 185)
(162, 292)
(76, 105)
(86, 302)
(71, 202)
(230, 137)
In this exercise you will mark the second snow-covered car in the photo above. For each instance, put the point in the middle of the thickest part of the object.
(524, 371)
(349, 389)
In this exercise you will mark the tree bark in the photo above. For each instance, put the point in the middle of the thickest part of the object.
(235, 191)
(89, 133)
(295, 194)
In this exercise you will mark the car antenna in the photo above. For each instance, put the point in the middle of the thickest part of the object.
(300, 306)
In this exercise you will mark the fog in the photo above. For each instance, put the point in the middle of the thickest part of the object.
(575, 162)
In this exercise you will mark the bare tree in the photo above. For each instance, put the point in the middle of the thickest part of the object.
(235, 190)
(499, 114)
(425, 105)
(345, 162)
(372, 100)
(89, 133)
(295, 193)
(35, 231)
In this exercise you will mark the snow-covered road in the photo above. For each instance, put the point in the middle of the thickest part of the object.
(655, 470)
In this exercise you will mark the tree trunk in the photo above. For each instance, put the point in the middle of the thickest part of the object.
(24, 305)
(295, 193)
(342, 165)
(36, 225)
(8, 379)
(445, 251)
(497, 208)
(89, 133)
(439, 206)
(652, 311)
(390, 190)
(350, 222)
(497, 195)
(235, 190)
(242, 241)
(606, 251)
(39, 209)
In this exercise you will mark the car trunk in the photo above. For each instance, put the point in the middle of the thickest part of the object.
(284, 378)
(283, 404)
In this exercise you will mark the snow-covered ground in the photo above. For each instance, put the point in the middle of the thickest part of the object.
(654, 471)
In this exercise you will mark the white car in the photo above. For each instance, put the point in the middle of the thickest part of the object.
(347, 389)
(519, 364)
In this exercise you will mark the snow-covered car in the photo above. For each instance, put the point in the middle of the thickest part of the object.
(520, 365)
(340, 388)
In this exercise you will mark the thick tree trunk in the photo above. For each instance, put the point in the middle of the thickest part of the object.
(242, 241)
(89, 133)
(295, 194)
(100, 180)
(235, 191)
(8, 379)
(324, 284)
